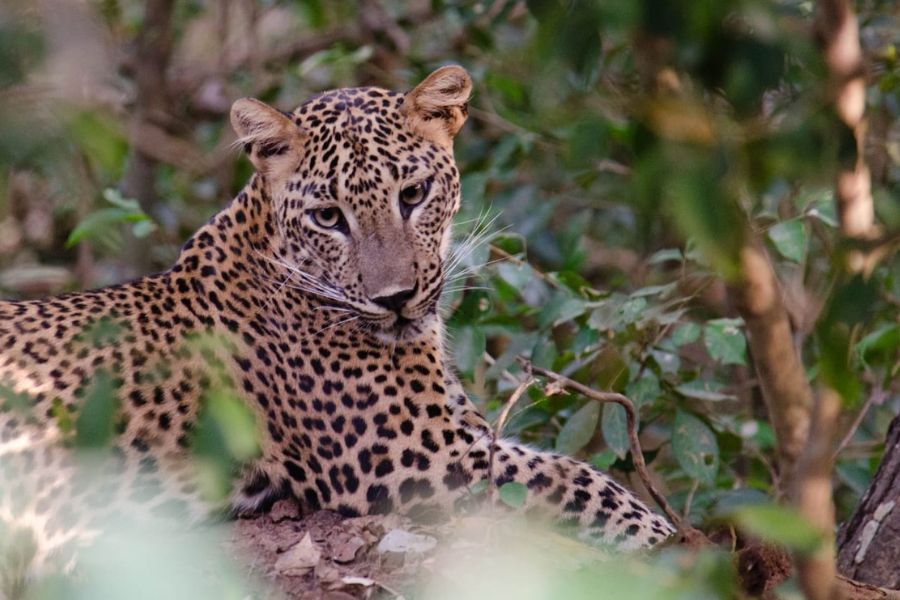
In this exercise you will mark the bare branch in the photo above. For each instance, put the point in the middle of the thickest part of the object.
(786, 392)
(876, 396)
(637, 456)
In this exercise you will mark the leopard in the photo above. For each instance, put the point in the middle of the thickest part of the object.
(320, 284)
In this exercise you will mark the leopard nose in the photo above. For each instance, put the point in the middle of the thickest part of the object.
(395, 302)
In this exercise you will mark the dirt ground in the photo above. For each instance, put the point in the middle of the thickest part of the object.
(322, 556)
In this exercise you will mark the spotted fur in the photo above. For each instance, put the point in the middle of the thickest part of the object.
(327, 327)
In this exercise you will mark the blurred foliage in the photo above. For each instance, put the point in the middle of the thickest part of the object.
(618, 155)
(503, 558)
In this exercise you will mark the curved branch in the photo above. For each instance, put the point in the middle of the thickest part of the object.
(637, 456)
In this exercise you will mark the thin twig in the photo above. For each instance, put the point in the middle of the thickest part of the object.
(690, 499)
(501, 421)
(637, 456)
(878, 396)
(505, 373)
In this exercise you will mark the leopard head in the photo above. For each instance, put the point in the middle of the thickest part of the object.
(363, 187)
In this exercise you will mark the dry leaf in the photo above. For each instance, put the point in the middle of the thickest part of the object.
(400, 541)
(299, 558)
(352, 580)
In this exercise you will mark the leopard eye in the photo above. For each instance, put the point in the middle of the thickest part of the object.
(328, 218)
(413, 195)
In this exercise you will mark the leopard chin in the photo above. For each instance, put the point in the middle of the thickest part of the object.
(405, 330)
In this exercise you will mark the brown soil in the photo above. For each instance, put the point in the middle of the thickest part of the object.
(339, 561)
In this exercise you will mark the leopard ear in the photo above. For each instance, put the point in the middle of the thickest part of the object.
(437, 108)
(270, 138)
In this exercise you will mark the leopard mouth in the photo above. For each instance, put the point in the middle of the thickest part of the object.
(400, 328)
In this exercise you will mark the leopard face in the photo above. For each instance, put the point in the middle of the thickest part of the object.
(364, 187)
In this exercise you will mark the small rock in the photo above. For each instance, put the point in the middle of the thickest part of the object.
(345, 552)
(299, 558)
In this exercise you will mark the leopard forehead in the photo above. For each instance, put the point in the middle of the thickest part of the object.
(357, 141)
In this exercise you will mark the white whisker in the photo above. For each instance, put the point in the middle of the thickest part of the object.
(333, 325)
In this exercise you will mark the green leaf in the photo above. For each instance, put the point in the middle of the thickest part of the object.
(790, 239)
(559, 309)
(695, 448)
(226, 418)
(729, 501)
(544, 353)
(101, 332)
(472, 187)
(603, 460)
(885, 339)
(579, 428)
(142, 229)
(852, 303)
(61, 415)
(654, 290)
(667, 361)
(101, 223)
(686, 333)
(513, 494)
(225, 436)
(615, 429)
(632, 309)
(95, 425)
(101, 139)
(518, 344)
(479, 487)
(824, 209)
(98, 223)
(665, 255)
(469, 344)
(115, 197)
(644, 390)
(779, 525)
(518, 276)
(19, 402)
(725, 342)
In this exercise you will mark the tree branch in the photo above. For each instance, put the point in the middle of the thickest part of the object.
(812, 496)
(837, 32)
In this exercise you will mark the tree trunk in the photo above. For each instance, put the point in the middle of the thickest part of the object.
(151, 53)
(869, 543)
